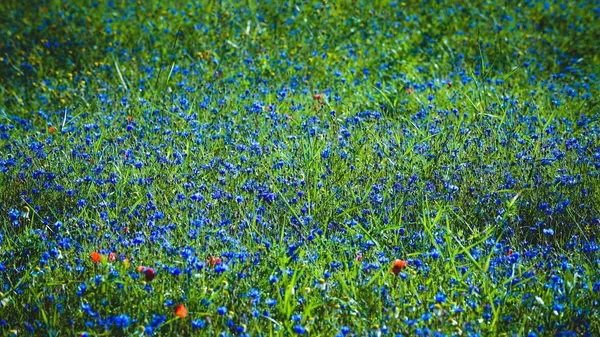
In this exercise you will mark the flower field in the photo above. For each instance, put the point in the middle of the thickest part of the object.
(284, 168)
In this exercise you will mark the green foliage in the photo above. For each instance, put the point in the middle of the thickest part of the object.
(270, 160)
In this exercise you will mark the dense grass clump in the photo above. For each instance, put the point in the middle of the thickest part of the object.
(261, 168)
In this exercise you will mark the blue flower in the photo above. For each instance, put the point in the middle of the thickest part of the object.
(122, 321)
(299, 329)
(198, 323)
(440, 298)
(222, 310)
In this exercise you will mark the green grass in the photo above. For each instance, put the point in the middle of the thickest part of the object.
(307, 145)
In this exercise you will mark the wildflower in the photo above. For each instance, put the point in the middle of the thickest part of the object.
(198, 324)
(181, 311)
(140, 269)
(149, 273)
(299, 329)
(122, 321)
(126, 263)
(359, 257)
(96, 257)
(440, 298)
(318, 97)
(112, 257)
(398, 266)
(51, 129)
(25, 212)
(213, 261)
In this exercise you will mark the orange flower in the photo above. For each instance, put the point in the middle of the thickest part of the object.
(140, 269)
(181, 311)
(51, 129)
(96, 257)
(398, 266)
(213, 261)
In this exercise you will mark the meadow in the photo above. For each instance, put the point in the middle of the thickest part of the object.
(317, 168)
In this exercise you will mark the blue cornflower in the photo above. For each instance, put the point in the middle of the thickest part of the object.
(198, 323)
(299, 329)
(440, 298)
(222, 310)
(548, 231)
(13, 214)
(82, 289)
(175, 271)
(122, 321)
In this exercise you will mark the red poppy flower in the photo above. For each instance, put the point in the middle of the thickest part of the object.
(51, 129)
(213, 261)
(96, 257)
(398, 266)
(181, 311)
(318, 97)
(149, 272)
